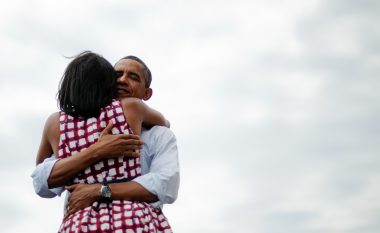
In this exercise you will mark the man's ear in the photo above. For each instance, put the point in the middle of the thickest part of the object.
(148, 93)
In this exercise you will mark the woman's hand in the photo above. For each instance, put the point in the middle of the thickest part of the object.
(82, 196)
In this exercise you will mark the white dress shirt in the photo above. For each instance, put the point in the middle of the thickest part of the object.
(159, 168)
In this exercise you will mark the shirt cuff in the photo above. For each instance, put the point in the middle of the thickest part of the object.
(40, 177)
(147, 182)
(165, 188)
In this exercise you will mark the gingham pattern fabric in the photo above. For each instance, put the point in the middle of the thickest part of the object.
(77, 134)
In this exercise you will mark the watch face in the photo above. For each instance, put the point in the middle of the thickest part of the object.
(106, 191)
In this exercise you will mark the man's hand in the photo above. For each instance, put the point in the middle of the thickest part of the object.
(110, 146)
(82, 196)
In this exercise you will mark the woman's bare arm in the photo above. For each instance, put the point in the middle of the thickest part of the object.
(50, 138)
(138, 113)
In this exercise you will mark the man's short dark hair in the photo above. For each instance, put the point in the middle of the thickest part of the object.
(148, 74)
(87, 85)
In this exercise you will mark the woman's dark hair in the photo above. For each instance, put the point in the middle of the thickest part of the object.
(87, 85)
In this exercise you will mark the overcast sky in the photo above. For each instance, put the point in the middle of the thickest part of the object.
(274, 104)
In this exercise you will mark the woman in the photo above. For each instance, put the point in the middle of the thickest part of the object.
(85, 97)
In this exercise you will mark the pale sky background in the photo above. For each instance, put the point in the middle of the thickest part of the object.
(274, 104)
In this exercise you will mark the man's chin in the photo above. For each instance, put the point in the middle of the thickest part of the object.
(122, 94)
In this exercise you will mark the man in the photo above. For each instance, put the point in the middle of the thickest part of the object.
(159, 182)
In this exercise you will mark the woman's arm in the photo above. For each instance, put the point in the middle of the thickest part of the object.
(137, 113)
(50, 138)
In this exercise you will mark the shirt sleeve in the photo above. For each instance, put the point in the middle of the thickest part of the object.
(40, 177)
(163, 176)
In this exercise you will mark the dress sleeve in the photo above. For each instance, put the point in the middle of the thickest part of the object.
(40, 177)
(163, 176)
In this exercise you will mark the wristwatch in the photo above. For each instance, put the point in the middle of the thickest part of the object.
(105, 191)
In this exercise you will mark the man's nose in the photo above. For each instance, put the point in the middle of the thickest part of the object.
(123, 79)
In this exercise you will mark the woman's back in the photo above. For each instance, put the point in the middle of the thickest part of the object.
(77, 134)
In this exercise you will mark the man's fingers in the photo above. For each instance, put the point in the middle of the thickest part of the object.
(131, 147)
(132, 142)
(70, 188)
(108, 129)
(129, 136)
(126, 139)
(69, 212)
(132, 153)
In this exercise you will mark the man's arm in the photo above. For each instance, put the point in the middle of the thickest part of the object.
(40, 176)
(108, 146)
(163, 177)
(83, 195)
(53, 173)
(158, 186)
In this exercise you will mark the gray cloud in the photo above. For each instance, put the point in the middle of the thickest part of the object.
(274, 105)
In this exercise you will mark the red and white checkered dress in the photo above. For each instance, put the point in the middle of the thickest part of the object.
(77, 134)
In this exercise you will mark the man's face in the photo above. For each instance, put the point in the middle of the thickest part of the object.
(131, 80)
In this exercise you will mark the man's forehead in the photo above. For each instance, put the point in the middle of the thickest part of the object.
(130, 64)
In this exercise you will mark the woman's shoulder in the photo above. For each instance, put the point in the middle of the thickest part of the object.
(53, 118)
(125, 102)
(131, 102)
(52, 124)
